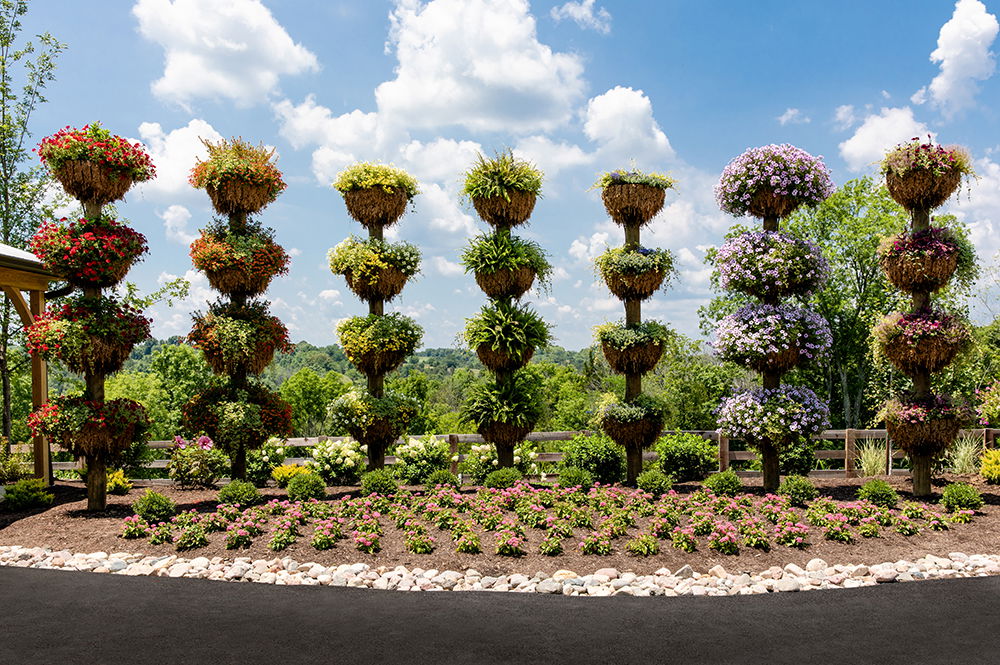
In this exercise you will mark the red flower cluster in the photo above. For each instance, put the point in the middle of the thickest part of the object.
(65, 331)
(223, 331)
(93, 143)
(88, 252)
(937, 241)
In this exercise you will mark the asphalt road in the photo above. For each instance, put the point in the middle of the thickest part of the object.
(75, 618)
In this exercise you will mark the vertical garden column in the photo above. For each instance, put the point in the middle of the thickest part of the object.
(238, 336)
(923, 341)
(91, 333)
(376, 195)
(771, 336)
(505, 334)
(633, 274)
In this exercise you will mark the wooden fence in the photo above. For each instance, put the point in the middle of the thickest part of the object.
(847, 454)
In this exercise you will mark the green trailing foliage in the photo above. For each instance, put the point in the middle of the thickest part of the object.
(635, 261)
(491, 252)
(634, 177)
(517, 402)
(365, 257)
(507, 328)
(621, 336)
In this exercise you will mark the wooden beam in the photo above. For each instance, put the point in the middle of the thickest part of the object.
(39, 395)
(26, 281)
(20, 306)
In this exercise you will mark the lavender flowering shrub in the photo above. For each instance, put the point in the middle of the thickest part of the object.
(771, 264)
(773, 414)
(772, 180)
(765, 336)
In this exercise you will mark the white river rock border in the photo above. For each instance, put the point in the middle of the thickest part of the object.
(604, 582)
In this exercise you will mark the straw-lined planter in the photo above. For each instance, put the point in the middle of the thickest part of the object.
(632, 349)
(929, 438)
(239, 265)
(383, 284)
(512, 209)
(922, 262)
(239, 338)
(626, 202)
(242, 419)
(89, 181)
(919, 189)
(84, 427)
(236, 197)
(634, 287)
(639, 359)
(500, 361)
(376, 206)
(238, 177)
(506, 283)
(503, 434)
(927, 341)
(90, 253)
(633, 434)
(378, 344)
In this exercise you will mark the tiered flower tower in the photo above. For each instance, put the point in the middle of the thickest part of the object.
(633, 273)
(505, 334)
(238, 335)
(91, 333)
(772, 336)
(925, 340)
(376, 196)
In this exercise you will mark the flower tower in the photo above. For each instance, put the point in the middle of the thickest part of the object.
(505, 334)
(91, 333)
(376, 196)
(772, 336)
(633, 274)
(238, 334)
(925, 340)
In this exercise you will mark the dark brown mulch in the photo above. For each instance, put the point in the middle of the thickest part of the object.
(67, 526)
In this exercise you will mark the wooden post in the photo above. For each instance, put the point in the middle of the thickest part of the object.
(989, 438)
(850, 454)
(888, 455)
(723, 451)
(39, 395)
(453, 448)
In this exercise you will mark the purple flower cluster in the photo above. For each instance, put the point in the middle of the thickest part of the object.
(782, 170)
(760, 263)
(773, 414)
(757, 331)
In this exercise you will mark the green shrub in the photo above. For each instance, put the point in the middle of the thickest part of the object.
(795, 459)
(26, 494)
(598, 455)
(241, 492)
(117, 483)
(508, 329)
(799, 490)
(685, 457)
(961, 496)
(502, 478)
(724, 483)
(442, 477)
(193, 465)
(305, 486)
(417, 459)
(154, 507)
(13, 466)
(574, 476)
(879, 492)
(655, 482)
(379, 481)
(261, 462)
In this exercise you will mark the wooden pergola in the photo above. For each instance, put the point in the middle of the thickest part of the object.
(20, 272)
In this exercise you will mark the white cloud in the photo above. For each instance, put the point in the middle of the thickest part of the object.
(793, 117)
(441, 208)
(963, 51)
(919, 97)
(331, 296)
(586, 249)
(980, 208)
(878, 133)
(843, 117)
(438, 160)
(621, 122)
(175, 222)
(219, 49)
(175, 153)
(294, 251)
(176, 320)
(549, 156)
(584, 15)
(478, 64)
(446, 267)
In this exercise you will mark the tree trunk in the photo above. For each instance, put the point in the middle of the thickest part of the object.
(97, 484)
(920, 472)
(7, 422)
(633, 461)
(505, 456)
(376, 455)
(769, 466)
(238, 471)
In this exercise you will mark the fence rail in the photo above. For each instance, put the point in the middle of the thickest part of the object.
(848, 454)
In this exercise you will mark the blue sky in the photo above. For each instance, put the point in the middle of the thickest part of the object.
(578, 87)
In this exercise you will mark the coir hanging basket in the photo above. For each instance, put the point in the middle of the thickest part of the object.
(920, 189)
(236, 197)
(503, 434)
(376, 207)
(378, 361)
(633, 434)
(384, 284)
(498, 211)
(380, 433)
(238, 281)
(638, 359)
(927, 438)
(766, 204)
(931, 354)
(634, 287)
(913, 273)
(630, 203)
(90, 182)
(506, 283)
(100, 355)
(498, 361)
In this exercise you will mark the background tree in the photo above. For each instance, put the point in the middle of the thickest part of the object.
(22, 188)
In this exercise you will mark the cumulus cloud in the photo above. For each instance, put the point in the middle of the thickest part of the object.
(446, 267)
(442, 211)
(586, 249)
(843, 117)
(584, 15)
(176, 320)
(174, 153)
(232, 50)
(331, 296)
(621, 122)
(963, 53)
(437, 160)
(551, 157)
(175, 222)
(793, 117)
(879, 132)
(477, 64)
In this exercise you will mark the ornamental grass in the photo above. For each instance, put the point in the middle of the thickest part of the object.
(88, 252)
